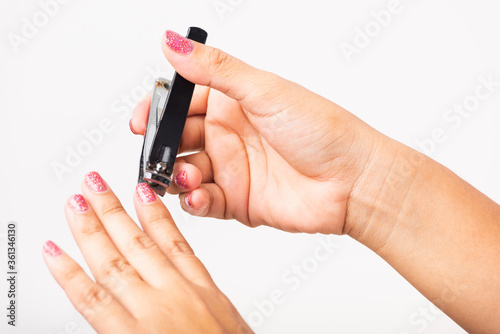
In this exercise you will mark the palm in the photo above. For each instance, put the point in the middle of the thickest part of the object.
(260, 187)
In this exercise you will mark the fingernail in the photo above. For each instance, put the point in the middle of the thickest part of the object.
(145, 193)
(78, 203)
(95, 182)
(131, 127)
(178, 43)
(189, 200)
(180, 179)
(51, 248)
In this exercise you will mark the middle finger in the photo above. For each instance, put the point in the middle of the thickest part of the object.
(142, 253)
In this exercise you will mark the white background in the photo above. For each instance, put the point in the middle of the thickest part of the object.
(77, 69)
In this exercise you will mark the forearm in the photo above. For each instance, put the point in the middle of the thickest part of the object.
(435, 229)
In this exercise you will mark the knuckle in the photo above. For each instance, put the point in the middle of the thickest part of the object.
(94, 298)
(218, 59)
(141, 241)
(175, 248)
(90, 229)
(114, 267)
(195, 294)
(72, 273)
(157, 220)
(111, 210)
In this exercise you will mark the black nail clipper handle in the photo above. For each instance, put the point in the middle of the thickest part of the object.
(168, 136)
(160, 162)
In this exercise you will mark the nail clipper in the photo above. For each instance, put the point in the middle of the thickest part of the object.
(167, 116)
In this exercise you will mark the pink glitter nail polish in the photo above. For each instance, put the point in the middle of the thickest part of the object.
(78, 203)
(145, 193)
(189, 200)
(178, 43)
(181, 180)
(95, 182)
(51, 248)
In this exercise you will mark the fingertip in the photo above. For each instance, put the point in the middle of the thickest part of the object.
(187, 177)
(94, 182)
(196, 202)
(50, 251)
(188, 200)
(132, 127)
(145, 194)
(186, 56)
(77, 204)
(140, 115)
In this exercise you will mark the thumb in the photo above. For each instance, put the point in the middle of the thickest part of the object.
(288, 116)
(207, 66)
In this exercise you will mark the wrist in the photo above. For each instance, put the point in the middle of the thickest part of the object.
(379, 196)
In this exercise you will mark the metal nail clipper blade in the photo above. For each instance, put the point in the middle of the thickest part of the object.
(167, 116)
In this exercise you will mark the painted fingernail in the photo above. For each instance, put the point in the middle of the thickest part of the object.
(51, 248)
(95, 182)
(78, 203)
(145, 193)
(131, 127)
(180, 179)
(178, 43)
(189, 200)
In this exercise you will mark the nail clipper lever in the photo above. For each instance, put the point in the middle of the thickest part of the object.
(167, 116)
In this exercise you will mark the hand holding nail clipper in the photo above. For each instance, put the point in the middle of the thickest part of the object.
(266, 151)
